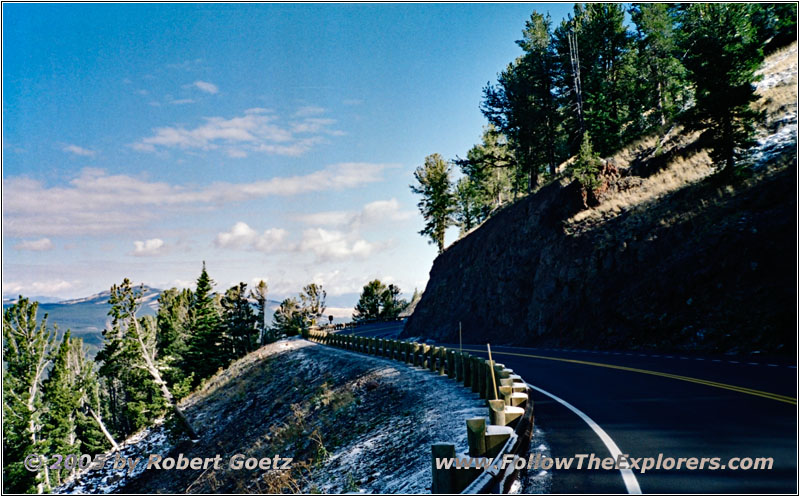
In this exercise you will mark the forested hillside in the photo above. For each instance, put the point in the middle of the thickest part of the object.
(661, 178)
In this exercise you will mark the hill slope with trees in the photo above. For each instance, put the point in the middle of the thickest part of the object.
(672, 247)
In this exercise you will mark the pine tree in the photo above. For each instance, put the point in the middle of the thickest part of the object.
(239, 321)
(663, 84)
(171, 340)
(203, 357)
(27, 344)
(288, 318)
(391, 304)
(437, 204)
(490, 167)
(259, 294)
(312, 303)
(723, 54)
(368, 307)
(469, 211)
(586, 168)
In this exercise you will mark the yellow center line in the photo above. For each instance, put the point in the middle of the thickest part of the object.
(748, 391)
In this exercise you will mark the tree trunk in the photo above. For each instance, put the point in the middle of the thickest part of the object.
(103, 429)
(161, 383)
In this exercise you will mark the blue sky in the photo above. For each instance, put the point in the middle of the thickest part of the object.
(272, 141)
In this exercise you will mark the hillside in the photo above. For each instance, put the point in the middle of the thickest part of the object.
(351, 422)
(671, 257)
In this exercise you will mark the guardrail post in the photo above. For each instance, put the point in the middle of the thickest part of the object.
(458, 367)
(476, 436)
(443, 352)
(482, 376)
(497, 412)
(451, 363)
(476, 382)
(425, 351)
(505, 391)
(432, 355)
(442, 478)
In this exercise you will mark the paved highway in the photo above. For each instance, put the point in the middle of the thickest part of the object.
(643, 404)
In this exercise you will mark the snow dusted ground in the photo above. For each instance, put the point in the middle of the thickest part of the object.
(779, 88)
(376, 420)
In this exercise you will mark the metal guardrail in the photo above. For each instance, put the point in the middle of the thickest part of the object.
(510, 409)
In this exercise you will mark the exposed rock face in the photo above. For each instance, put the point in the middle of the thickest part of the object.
(707, 267)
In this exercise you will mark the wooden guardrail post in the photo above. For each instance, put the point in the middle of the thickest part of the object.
(476, 366)
(476, 436)
(442, 480)
(451, 363)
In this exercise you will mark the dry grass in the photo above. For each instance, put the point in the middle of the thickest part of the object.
(778, 98)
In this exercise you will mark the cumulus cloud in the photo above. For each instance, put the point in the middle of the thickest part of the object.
(148, 248)
(243, 236)
(35, 245)
(257, 130)
(84, 152)
(334, 245)
(206, 87)
(96, 203)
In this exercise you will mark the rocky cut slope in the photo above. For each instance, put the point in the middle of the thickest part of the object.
(672, 257)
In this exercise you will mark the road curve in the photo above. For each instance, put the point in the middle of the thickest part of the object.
(648, 404)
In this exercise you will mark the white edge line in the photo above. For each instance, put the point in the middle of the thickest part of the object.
(628, 478)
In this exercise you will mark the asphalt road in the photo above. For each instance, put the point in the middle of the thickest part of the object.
(648, 404)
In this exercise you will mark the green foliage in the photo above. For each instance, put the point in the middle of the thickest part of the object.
(239, 321)
(132, 396)
(437, 204)
(27, 344)
(662, 86)
(470, 205)
(312, 303)
(288, 318)
(171, 340)
(723, 54)
(586, 168)
(259, 294)
(206, 351)
(378, 302)
(522, 104)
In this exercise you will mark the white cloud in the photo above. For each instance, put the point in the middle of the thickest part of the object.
(182, 101)
(334, 245)
(95, 202)
(206, 87)
(243, 236)
(257, 130)
(84, 152)
(148, 248)
(37, 288)
(377, 212)
(309, 110)
(35, 245)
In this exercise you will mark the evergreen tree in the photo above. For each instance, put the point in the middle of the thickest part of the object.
(378, 302)
(27, 344)
(489, 166)
(172, 320)
(288, 318)
(259, 294)
(437, 204)
(586, 168)
(239, 321)
(206, 339)
(723, 54)
(69, 427)
(368, 307)
(312, 303)
(470, 205)
(391, 304)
